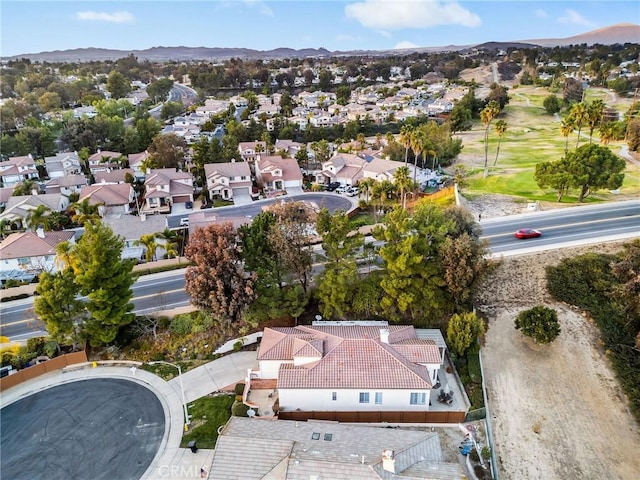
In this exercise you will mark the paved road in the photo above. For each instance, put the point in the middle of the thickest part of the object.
(91, 429)
(332, 201)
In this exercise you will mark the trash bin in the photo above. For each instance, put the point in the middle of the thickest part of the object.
(192, 445)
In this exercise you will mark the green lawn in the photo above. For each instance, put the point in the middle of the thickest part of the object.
(207, 415)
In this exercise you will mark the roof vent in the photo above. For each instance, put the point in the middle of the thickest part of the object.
(389, 460)
(384, 335)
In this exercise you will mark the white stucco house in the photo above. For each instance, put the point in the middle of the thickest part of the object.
(357, 367)
(229, 179)
(277, 174)
(32, 252)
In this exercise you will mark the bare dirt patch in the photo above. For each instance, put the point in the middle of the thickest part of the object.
(557, 410)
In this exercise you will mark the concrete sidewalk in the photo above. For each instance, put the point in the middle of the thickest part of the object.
(171, 461)
(214, 376)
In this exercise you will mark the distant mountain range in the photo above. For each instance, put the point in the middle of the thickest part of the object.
(620, 33)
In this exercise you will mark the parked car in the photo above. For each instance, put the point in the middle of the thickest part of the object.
(332, 186)
(527, 233)
(353, 191)
(184, 222)
(342, 189)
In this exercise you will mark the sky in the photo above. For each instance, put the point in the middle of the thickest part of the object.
(36, 26)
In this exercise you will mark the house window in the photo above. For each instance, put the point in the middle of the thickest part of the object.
(334, 396)
(23, 261)
(364, 397)
(378, 398)
(418, 398)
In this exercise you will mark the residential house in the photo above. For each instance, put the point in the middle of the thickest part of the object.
(66, 185)
(31, 252)
(212, 107)
(289, 450)
(289, 146)
(63, 164)
(17, 169)
(104, 161)
(166, 188)
(19, 208)
(137, 162)
(345, 168)
(115, 176)
(112, 199)
(322, 119)
(5, 194)
(277, 175)
(228, 180)
(249, 150)
(381, 169)
(353, 368)
(88, 112)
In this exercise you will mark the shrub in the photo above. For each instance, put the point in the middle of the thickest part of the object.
(238, 346)
(181, 324)
(239, 409)
(486, 452)
(539, 323)
(239, 388)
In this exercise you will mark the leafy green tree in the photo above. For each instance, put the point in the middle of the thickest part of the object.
(168, 151)
(552, 104)
(579, 115)
(217, 281)
(340, 243)
(566, 127)
(539, 323)
(322, 151)
(118, 85)
(413, 284)
(633, 135)
(402, 182)
(463, 331)
(85, 211)
(159, 90)
(57, 305)
(554, 175)
(105, 279)
(171, 109)
(593, 167)
(595, 113)
(170, 241)
(38, 217)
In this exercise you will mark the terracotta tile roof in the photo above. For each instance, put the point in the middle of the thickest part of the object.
(114, 176)
(99, 156)
(29, 244)
(353, 357)
(289, 166)
(137, 158)
(67, 181)
(163, 176)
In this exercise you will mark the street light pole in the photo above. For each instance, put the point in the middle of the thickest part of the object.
(184, 400)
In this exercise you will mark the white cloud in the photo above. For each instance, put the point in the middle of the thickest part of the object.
(398, 14)
(541, 13)
(405, 44)
(115, 17)
(573, 17)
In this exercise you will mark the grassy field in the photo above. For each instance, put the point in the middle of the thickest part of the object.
(532, 136)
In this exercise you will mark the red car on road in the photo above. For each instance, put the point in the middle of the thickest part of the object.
(527, 233)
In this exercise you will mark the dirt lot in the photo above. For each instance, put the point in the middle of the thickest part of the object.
(557, 410)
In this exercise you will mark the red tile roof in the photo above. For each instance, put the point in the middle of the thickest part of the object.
(351, 357)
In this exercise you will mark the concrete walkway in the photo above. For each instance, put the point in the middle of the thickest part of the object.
(171, 461)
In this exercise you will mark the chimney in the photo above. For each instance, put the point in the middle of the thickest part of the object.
(389, 461)
(384, 335)
(40, 231)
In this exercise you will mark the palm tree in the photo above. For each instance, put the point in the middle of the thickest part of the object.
(38, 217)
(487, 114)
(566, 127)
(24, 188)
(406, 133)
(170, 242)
(417, 147)
(607, 132)
(366, 186)
(63, 255)
(85, 212)
(595, 112)
(149, 242)
(402, 181)
(579, 114)
(501, 128)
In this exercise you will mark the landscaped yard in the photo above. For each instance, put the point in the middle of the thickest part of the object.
(207, 415)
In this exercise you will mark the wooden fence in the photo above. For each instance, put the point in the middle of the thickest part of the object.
(376, 417)
(54, 364)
